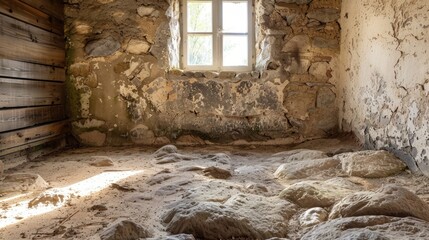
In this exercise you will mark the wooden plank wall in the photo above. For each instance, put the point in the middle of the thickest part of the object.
(32, 60)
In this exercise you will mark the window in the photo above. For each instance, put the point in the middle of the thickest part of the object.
(217, 35)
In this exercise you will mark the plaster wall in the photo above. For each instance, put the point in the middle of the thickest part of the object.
(125, 85)
(384, 72)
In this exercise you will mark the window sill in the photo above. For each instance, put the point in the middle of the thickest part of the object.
(179, 73)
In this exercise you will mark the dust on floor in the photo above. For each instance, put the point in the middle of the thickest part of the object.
(88, 189)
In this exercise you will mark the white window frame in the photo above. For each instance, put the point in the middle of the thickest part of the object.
(217, 38)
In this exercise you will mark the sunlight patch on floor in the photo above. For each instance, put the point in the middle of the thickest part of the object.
(60, 196)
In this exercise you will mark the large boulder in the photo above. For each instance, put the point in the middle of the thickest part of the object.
(370, 227)
(388, 200)
(371, 164)
(169, 154)
(242, 216)
(308, 194)
(307, 168)
(123, 229)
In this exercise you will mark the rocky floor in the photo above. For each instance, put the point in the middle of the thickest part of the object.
(320, 190)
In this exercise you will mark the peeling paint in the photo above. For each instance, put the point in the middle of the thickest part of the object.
(384, 77)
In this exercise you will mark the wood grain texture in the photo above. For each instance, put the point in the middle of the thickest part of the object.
(16, 69)
(53, 8)
(32, 75)
(21, 50)
(31, 15)
(29, 135)
(12, 119)
(33, 146)
(26, 93)
(24, 31)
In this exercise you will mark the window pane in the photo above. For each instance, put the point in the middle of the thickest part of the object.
(200, 49)
(235, 17)
(235, 51)
(200, 17)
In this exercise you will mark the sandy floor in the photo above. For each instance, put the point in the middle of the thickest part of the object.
(138, 188)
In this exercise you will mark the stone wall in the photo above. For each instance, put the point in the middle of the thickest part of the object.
(125, 86)
(385, 76)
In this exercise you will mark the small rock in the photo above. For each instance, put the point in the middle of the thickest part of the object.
(167, 149)
(47, 199)
(136, 46)
(101, 161)
(371, 164)
(19, 182)
(191, 169)
(227, 75)
(371, 228)
(324, 15)
(102, 47)
(216, 172)
(304, 169)
(99, 208)
(122, 188)
(123, 229)
(211, 75)
(144, 11)
(313, 216)
(389, 200)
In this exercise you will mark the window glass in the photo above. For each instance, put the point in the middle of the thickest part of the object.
(200, 49)
(235, 51)
(200, 17)
(235, 17)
